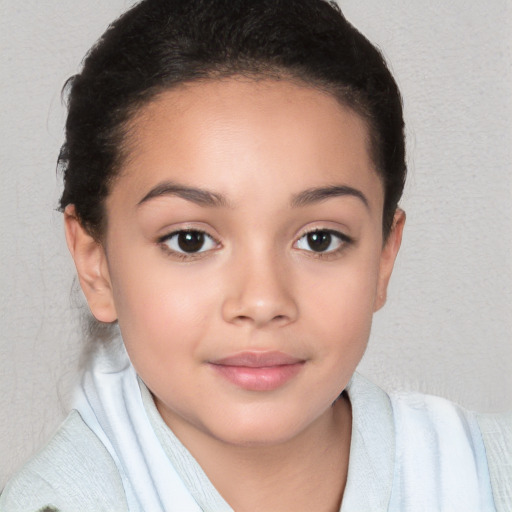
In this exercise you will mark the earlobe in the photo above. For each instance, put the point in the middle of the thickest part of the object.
(388, 257)
(92, 269)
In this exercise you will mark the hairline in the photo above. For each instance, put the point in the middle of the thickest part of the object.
(124, 130)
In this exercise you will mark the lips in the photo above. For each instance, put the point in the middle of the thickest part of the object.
(258, 371)
(258, 359)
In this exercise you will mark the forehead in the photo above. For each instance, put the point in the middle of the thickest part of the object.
(221, 133)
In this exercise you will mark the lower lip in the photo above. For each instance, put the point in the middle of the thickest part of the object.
(265, 378)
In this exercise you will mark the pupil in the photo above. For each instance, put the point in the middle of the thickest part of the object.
(191, 241)
(319, 241)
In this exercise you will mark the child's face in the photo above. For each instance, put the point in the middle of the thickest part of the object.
(247, 221)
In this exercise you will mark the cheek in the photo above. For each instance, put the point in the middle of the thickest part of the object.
(162, 309)
(340, 304)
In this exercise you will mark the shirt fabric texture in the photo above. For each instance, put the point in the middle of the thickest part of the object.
(409, 452)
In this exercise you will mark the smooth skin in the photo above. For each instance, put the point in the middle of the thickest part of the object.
(247, 218)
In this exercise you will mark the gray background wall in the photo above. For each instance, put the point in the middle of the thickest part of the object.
(447, 327)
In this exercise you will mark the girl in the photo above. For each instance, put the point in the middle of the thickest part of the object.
(232, 174)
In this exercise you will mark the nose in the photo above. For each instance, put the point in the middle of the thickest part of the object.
(260, 293)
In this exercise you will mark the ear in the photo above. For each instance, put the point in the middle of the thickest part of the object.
(388, 257)
(91, 265)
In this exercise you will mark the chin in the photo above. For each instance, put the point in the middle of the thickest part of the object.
(260, 429)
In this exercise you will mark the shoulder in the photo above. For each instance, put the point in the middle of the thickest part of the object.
(496, 432)
(431, 424)
(73, 472)
(441, 452)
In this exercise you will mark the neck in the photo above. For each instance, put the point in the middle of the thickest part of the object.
(307, 472)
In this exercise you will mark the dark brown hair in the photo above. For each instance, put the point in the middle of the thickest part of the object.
(159, 44)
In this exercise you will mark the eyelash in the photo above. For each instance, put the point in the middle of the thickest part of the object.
(183, 255)
(344, 242)
(163, 242)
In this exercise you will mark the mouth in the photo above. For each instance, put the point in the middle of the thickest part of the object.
(258, 371)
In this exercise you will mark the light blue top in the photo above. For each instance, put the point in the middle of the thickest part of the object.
(409, 452)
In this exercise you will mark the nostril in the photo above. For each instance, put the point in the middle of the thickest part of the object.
(243, 318)
(249, 318)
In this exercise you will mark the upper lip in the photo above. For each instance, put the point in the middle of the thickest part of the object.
(258, 359)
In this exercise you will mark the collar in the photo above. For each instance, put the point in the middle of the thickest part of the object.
(372, 448)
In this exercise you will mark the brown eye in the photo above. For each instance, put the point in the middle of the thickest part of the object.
(322, 241)
(319, 241)
(189, 241)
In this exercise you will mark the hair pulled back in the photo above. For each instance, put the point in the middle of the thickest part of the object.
(159, 44)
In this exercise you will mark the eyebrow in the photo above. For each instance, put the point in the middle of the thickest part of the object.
(199, 196)
(204, 197)
(318, 194)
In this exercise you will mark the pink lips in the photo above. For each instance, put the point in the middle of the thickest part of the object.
(258, 371)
